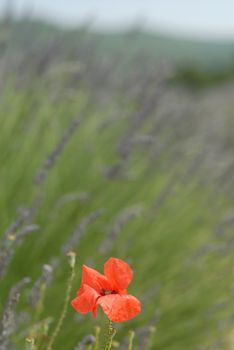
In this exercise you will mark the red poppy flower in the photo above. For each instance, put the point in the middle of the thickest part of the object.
(108, 291)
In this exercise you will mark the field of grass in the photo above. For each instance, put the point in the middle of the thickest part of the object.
(137, 169)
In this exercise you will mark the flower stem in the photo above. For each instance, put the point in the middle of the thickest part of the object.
(110, 336)
(97, 336)
(131, 335)
(66, 301)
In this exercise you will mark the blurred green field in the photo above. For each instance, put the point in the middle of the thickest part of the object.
(163, 168)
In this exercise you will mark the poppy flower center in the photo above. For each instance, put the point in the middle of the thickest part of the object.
(107, 292)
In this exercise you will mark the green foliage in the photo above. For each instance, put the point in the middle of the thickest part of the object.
(200, 78)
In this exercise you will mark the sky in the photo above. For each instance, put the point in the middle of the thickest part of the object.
(213, 19)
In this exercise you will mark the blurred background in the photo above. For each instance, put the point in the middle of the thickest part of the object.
(117, 139)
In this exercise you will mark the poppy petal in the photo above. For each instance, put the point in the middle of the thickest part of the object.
(119, 308)
(86, 300)
(94, 279)
(119, 273)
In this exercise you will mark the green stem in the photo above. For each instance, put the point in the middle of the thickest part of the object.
(110, 336)
(64, 310)
(97, 336)
(131, 335)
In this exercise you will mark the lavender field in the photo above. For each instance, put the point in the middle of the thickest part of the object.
(113, 153)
